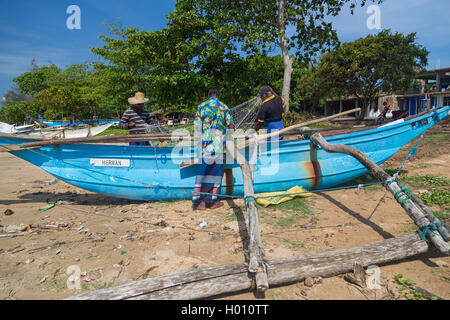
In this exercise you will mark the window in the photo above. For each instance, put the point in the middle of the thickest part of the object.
(447, 101)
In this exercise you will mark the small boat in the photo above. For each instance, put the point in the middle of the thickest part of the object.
(52, 123)
(63, 133)
(69, 133)
(154, 173)
(6, 128)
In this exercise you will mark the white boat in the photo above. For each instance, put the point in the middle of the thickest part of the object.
(69, 133)
(11, 129)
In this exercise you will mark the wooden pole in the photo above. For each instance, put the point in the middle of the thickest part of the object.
(410, 207)
(300, 125)
(429, 214)
(256, 252)
(124, 138)
(228, 279)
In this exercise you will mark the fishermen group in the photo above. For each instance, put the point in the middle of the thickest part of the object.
(212, 120)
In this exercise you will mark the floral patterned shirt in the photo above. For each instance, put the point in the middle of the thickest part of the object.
(213, 117)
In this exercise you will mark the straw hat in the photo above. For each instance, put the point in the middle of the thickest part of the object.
(138, 98)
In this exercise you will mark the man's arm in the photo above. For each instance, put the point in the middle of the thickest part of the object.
(260, 118)
(258, 125)
(125, 121)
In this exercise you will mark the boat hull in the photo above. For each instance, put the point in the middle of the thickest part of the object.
(51, 123)
(153, 173)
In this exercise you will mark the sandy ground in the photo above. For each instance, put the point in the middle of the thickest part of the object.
(115, 241)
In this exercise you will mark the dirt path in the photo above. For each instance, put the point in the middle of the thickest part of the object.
(114, 241)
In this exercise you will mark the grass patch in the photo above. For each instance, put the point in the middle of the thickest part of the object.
(113, 130)
(442, 215)
(294, 245)
(437, 197)
(296, 204)
(287, 213)
(424, 181)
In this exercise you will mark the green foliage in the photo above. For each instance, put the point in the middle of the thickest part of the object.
(258, 27)
(442, 215)
(438, 197)
(410, 292)
(425, 181)
(33, 82)
(384, 62)
(113, 131)
(177, 65)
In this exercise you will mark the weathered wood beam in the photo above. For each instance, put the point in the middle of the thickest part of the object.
(228, 279)
(256, 251)
(392, 186)
(103, 139)
(263, 137)
(443, 230)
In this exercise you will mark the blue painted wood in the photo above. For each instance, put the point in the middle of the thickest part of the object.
(154, 173)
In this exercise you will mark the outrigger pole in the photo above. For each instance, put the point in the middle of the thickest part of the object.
(427, 222)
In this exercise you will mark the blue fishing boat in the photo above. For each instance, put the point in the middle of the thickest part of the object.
(154, 173)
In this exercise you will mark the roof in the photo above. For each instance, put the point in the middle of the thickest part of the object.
(431, 74)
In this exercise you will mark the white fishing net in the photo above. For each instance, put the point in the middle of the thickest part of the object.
(244, 115)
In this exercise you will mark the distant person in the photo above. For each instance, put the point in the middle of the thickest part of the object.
(135, 118)
(72, 124)
(212, 120)
(270, 114)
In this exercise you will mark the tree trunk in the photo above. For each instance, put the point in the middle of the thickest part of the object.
(288, 60)
(365, 105)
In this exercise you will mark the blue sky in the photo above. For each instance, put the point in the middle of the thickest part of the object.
(37, 29)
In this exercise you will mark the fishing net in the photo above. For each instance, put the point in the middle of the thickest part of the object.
(244, 115)
(156, 128)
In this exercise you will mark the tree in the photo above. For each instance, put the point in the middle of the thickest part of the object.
(177, 65)
(36, 80)
(385, 62)
(260, 26)
(312, 88)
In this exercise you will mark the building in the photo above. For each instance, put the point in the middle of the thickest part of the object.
(432, 90)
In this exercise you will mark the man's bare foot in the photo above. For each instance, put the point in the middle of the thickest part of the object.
(215, 205)
(199, 206)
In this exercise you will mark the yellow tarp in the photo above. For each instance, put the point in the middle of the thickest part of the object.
(278, 197)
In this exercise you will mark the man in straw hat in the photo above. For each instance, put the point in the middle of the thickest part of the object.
(135, 118)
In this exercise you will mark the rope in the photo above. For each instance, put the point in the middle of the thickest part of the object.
(430, 229)
(412, 152)
(406, 192)
(248, 200)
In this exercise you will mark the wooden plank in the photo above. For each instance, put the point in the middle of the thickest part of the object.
(233, 278)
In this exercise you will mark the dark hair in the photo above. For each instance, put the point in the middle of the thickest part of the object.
(214, 92)
(264, 89)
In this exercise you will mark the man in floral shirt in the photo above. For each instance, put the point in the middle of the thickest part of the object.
(212, 120)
